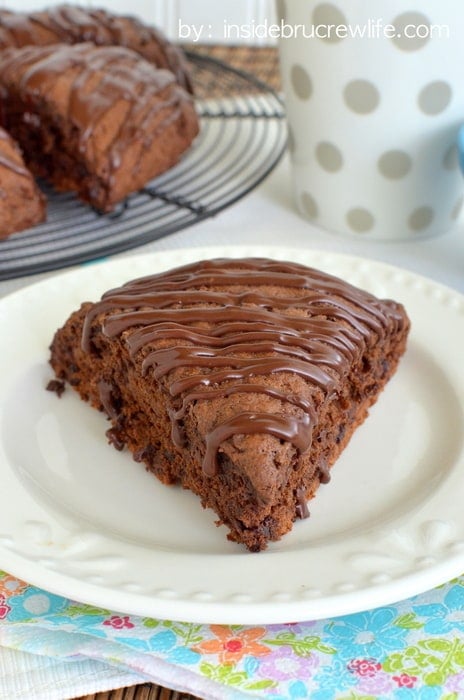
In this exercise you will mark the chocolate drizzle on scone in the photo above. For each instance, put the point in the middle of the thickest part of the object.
(201, 331)
(98, 120)
(122, 77)
(69, 24)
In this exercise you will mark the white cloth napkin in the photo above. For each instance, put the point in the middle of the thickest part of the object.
(31, 677)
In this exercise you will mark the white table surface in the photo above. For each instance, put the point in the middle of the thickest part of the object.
(267, 216)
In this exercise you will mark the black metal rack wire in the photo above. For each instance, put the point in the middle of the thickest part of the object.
(242, 138)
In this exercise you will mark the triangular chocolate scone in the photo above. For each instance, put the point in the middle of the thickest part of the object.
(242, 380)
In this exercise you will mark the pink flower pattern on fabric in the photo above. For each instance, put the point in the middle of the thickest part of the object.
(405, 681)
(119, 622)
(364, 667)
(4, 608)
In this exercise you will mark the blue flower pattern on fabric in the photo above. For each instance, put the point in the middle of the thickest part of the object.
(35, 604)
(163, 643)
(444, 617)
(368, 634)
(332, 678)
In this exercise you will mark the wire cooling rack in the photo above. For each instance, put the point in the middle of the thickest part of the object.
(242, 138)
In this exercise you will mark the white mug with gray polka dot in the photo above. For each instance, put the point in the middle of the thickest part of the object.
(373, 119)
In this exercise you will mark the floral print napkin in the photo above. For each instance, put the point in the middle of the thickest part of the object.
(412, 649)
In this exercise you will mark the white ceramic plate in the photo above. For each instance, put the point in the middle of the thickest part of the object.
(82, 520)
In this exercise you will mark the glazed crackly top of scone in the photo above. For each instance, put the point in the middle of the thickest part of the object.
(220, 327)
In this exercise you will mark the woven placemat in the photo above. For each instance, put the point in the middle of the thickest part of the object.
(263, 63)
(146, 691)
